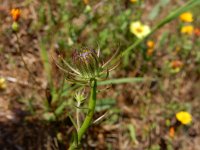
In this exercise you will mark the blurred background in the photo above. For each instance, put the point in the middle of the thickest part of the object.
(156, 107)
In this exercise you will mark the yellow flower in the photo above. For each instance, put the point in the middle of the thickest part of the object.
(184, 117)
(188, 29)
(133, 1)
(15, 13)
(139, 29)
(2, 83)
(186, 17)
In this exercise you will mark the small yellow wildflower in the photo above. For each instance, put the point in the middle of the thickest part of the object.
(188, 29)
(2, 83)
(133, 1)
(186, 17)
(15, 13)
(139, 29)
(184, 117)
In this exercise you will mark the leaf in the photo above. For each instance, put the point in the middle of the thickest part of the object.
(154, 13)
(104, 104)
(49, 116)
(59, 110)
(132, 132)
(73, 122)
(163, 3)
(45, 61)
(163, 38)
(121, 80)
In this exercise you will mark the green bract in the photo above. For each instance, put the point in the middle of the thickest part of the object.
(87, 65)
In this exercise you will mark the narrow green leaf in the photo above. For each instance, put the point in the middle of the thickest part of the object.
(132, 132)
(45, 61)
(73, 122)
(154, 13)
(104, 104)
(164, 2)
(59, 110)
(121, 80)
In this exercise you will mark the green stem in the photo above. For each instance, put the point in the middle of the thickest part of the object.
(91, 107)
(88, 119)
(22, 58)
(77, 115)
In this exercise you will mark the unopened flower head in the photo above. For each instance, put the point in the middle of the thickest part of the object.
(87, 66)
(139, 29)
(150, 44)
(15, 13)
(186, 17)
(150, 51)
(184, 117)
(176, 64)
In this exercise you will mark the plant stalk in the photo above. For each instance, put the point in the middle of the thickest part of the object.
(78, 116)
(91, 107)
(22, 58)
(88, 119)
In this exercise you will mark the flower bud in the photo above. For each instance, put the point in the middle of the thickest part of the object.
(87, 66)
(15, 26)
(87, 63)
